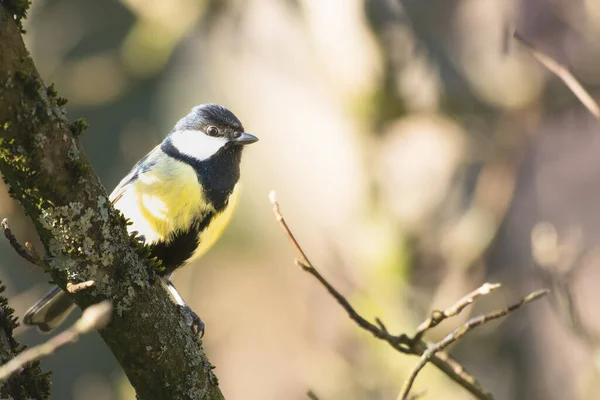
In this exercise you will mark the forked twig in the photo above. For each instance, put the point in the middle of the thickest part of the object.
(460, 332)
(438, 316)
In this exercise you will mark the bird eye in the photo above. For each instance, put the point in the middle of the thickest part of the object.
(212, 131)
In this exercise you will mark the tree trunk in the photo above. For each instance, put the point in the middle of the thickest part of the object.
(85, 239)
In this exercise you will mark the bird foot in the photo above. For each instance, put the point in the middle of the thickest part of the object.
(192, 320)
(140, 238)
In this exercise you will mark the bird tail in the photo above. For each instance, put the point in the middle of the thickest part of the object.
(49, 311)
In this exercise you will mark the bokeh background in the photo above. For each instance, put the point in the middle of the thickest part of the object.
(417, 152)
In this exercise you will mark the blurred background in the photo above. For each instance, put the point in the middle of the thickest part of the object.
(417, 151)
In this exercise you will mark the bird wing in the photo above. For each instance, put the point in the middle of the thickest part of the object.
(144, 165)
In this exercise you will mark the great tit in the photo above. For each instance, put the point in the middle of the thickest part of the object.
(179, 199)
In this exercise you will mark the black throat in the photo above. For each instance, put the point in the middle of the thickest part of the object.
(217, 175)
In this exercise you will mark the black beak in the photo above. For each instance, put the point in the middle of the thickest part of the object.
(244, 139)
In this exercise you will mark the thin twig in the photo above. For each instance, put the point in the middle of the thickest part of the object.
(306, 265)
(94, 317)
(438, 316)
(564, 74)
(398, 344)
(24, 252)
(76, 287)
(460, 332)
(286, 230)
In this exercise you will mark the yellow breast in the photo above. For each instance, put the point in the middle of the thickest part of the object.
(168, 199)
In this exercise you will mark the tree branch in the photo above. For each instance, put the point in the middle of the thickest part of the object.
(414, 345)
(85, 238)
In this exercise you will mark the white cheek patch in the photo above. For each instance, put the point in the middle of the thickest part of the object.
(196, 144)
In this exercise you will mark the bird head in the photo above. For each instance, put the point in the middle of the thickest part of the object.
(207, 130)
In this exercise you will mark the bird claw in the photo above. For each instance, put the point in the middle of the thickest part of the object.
(140, 238)
(192, 320)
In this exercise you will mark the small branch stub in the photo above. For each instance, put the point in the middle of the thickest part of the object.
(76, 287)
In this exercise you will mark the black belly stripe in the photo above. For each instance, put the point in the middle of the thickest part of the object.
(175, 252)
(218, 176)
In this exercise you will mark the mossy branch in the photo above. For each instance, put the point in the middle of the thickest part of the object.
(85, 239)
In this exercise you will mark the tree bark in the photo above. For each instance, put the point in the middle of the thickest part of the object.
(85, 238)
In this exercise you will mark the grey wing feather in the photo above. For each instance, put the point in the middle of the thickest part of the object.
(144, 165)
